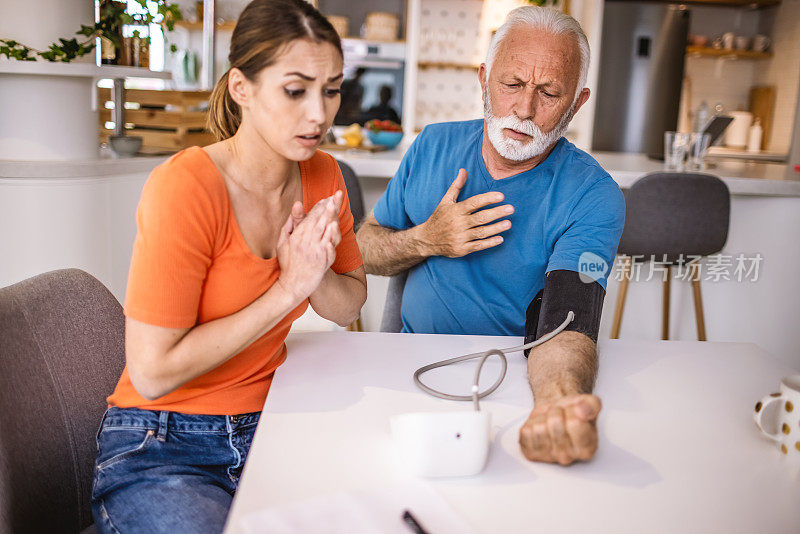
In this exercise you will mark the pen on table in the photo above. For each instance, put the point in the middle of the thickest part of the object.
(412, 523)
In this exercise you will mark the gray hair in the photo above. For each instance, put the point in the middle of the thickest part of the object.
(547, 19)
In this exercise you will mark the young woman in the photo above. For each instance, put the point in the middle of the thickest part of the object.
(235, 240)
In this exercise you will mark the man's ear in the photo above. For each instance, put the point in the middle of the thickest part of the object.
(582, 98)
(238, 87)
(482, 77)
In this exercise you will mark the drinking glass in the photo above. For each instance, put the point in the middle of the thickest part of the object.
(675, 148)
(698, 148)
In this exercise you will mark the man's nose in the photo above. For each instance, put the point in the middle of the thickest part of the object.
(525, 106)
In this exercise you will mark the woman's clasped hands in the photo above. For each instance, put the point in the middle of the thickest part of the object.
(307, 245)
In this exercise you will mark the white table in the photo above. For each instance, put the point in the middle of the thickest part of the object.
(678, 448)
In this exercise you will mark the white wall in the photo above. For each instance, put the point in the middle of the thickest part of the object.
(39, 24)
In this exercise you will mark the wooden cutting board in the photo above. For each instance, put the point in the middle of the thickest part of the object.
(762, 104)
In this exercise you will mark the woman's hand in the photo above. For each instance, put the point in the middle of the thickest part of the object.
(307, 246)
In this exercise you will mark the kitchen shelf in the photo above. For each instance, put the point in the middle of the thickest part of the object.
(371, 41)
(446, 65)
(228, 25)
(48, 68)
(721, 52)
(747, 4)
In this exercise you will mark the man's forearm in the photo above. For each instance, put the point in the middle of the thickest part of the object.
(387, 252)
(339, 297)
(565, 365)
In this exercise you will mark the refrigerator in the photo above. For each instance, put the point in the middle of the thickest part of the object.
(643, 45)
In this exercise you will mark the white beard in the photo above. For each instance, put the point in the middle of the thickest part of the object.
(513, 149)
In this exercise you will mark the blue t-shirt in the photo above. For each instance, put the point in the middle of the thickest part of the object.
(565, 207)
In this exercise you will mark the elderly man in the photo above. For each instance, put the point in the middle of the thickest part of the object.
(503, 249)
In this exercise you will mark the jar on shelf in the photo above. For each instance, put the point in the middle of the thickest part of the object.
(111, 44)
(126, 58)
(136, 51)
(144, 52)
(108, 52)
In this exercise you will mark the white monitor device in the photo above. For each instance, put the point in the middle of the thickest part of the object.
(442, 444)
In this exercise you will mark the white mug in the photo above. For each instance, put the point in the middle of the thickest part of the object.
(742, 42)
(778, 416)
(761, 43)
(728, 39)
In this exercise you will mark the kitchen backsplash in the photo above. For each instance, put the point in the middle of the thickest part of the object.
(445, 94)
(450, 33)
(724, 81)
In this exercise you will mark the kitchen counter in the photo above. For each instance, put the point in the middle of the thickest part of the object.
(742, 177)
(78, 169)
(373, 164)
(75, 213)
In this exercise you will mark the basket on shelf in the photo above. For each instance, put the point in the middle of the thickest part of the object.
(381, 27)
(168, 121)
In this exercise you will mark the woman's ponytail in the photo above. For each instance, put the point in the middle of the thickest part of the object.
(224, 115)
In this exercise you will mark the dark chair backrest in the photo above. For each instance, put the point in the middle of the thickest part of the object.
(674, 214)
(391, 321)
(61, 353)
(353, 192)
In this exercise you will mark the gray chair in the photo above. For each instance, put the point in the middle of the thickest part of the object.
(353, 192)
(357, 209)
(673, 216)
(390, 321)
(61, 353)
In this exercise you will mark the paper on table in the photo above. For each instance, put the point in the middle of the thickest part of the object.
(378, 512)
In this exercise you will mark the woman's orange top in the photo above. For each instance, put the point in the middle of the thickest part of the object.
(191, 265)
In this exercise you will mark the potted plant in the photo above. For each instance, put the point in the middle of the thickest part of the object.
(108, 28)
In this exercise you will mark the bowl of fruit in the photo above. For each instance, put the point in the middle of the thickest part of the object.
(386, 133)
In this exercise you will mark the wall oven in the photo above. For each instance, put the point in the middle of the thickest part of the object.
(373, 81)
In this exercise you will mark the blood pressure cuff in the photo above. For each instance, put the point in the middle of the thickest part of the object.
(563, 292)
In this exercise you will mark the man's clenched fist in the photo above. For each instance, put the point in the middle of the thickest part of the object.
(562, 431)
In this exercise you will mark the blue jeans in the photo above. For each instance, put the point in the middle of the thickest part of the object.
(166, 471)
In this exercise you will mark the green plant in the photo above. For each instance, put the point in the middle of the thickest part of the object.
(541, 3)
(112, 16)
